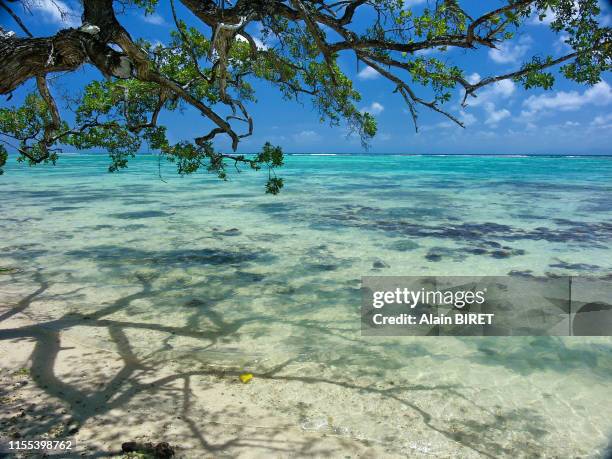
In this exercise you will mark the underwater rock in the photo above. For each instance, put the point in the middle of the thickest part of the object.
(195, 303)
(276, 208)
(378, 264)
(230, 232)
(501, 254)
(133, 227)
(250, 277)
(436, 254)
(507, 252)
(322, 266)
(478, 251)
(162, 450)
(526, 273)
(404, 245)
(139, 214)
(574, 266)
(63, 208)
(100, 227)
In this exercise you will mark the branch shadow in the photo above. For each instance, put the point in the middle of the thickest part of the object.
(483, 437)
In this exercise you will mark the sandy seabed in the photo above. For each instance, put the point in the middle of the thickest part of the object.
(100, 399)
(58, 384)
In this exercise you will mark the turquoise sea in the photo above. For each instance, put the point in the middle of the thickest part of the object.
(191, 272)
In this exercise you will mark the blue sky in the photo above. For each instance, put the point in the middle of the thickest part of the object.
(505, 118)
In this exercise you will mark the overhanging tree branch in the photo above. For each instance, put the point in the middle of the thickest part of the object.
(304, 40)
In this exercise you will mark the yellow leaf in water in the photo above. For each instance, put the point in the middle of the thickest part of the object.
(246, 377)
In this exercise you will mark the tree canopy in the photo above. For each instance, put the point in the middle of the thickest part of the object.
(211, 68)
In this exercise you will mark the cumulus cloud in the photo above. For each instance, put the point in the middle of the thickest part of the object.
(154, 19)
(467, 118)
(306, 136)
(375, 108)
(510, 52)
(504, 88)
(494, 116)
(56, 12)
(429, 51)
(549, 16)
(489, 98)
(258, 43)
(561, 45)
(154, 44)
(474, 78)
(499, 90)
(602, 120)
(368, 73)
(599, 94)
(605, 17)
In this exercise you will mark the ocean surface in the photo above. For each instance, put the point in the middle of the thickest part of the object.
(195, 272)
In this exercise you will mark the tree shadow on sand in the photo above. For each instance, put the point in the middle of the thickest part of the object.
(139, 379)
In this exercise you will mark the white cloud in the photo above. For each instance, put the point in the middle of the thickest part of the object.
(510, 52)
(504, 88)
(375, 108)
(429, 51)
(599, 94)
(549, 16)
(604, 19)
(561, 45)
(488, 99)
(440, 125)
(368, 73)
(155, 44)
(495, 116)
(467, 118)
(258, 43)
(499, 90)
(154, 19)
(474, 78)
(56, 12)
(602, 120)
(306, 136)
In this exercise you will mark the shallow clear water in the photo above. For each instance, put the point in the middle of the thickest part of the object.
(197, 272)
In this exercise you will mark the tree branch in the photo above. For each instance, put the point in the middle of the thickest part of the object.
(16, 18)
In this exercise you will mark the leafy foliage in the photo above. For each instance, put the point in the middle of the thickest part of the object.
(212, 68)
(3, 158)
